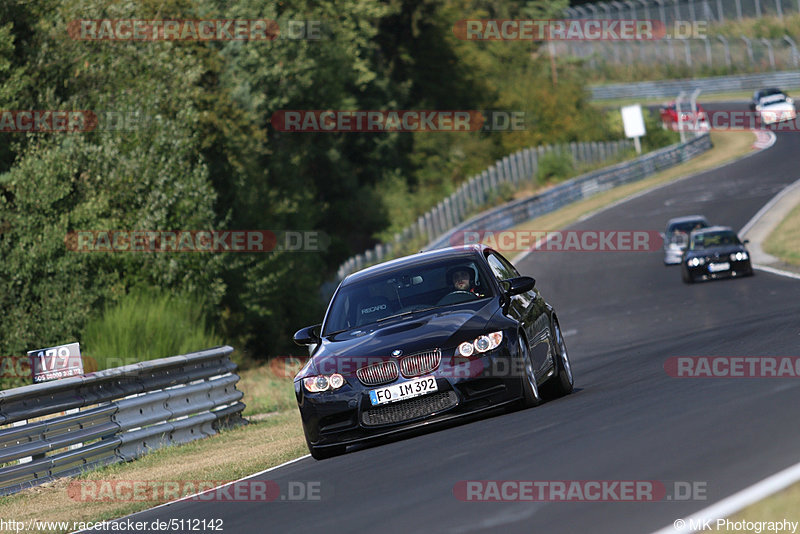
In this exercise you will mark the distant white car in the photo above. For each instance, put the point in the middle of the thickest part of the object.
(773, 105)
(676, 236)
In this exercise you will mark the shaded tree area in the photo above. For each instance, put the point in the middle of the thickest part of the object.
(203, 154)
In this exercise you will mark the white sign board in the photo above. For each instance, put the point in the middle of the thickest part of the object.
(633, 121)
(54, 363)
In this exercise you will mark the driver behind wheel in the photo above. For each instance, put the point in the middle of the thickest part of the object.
(462, 279)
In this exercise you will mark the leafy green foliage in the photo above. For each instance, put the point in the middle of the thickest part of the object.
(205, 156)
(554, 166)
(147, 325)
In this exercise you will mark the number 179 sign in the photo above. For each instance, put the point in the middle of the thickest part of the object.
(56, 362)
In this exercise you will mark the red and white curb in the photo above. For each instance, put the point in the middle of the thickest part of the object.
(764, 139)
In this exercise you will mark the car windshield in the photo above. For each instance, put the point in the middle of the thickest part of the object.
(679, 232)
(405, 291)
(714, 239)
(772, 96)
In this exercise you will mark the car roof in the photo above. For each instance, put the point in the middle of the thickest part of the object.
(768, 91)
(414, 259)
(712, 229)
(686, 218)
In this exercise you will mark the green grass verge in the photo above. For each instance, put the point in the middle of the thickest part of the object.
(777, 507)
(784, 241)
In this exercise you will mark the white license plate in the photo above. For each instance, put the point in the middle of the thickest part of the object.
(717, 267)
(406, 390)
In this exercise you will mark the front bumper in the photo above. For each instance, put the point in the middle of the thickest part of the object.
(736, 268)
(464, 387)
(769, 116)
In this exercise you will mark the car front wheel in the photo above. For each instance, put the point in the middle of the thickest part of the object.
(563, 382)
(530, 389)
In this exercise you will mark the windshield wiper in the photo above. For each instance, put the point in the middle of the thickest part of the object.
(409, 312)
(337, 332)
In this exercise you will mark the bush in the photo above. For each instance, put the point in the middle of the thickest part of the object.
(554, 166)
(147, 325)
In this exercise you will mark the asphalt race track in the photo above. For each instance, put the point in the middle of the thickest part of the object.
(624, 313)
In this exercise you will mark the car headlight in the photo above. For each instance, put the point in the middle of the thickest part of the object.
(320, 383)
(739, 256)
(484, 343)
(694, 262)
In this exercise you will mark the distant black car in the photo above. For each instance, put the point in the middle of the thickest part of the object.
(715, 252)
(427, 338)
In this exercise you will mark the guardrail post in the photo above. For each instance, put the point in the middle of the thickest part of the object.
(792, 43)
(749, 46)
(727, 50)
(770, 52)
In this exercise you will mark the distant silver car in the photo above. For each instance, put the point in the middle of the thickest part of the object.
(676, 236)
(773, 105)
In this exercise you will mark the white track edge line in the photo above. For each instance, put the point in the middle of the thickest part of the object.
(738, 500)
(208, 490)
(779, 272)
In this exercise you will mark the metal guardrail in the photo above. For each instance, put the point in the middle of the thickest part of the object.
(585, 186)
(684, 10)
(127, 412)
(716, 84)
(477, 192)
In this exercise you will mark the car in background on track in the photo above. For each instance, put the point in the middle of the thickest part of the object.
(715, 252)
(669, 117)
(772, 106)
(424, 339)
(676, 236)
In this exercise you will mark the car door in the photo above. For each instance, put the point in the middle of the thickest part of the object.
(529, 309)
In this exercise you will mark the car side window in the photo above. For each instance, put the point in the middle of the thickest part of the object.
(501, 268)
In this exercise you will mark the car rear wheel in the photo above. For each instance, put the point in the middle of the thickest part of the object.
(530, 389)
(563, 381)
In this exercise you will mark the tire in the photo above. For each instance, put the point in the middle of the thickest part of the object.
(687, 278)
(322, 453)
(563, 382)
(530, 390)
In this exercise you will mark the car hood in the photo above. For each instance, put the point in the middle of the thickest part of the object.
(715, 251)
(436, 329)
(777, 106)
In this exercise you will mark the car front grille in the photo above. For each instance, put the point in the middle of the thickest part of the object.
(419, 364)
(409, 409)
(379, 373)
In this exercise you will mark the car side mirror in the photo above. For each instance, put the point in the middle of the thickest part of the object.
(746, 241)
(520, 284)
(307, 335)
